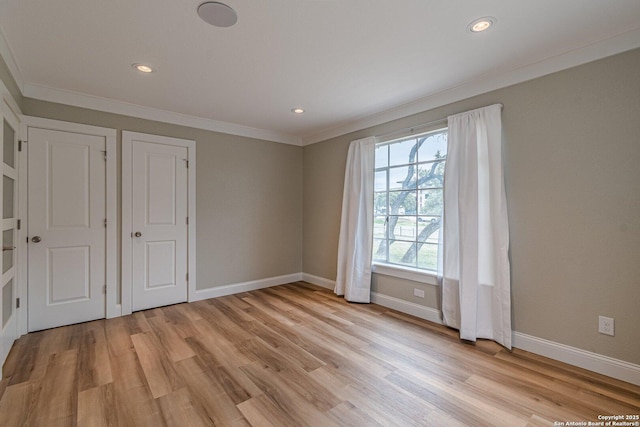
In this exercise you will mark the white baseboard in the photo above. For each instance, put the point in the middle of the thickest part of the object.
(407, 307)
(417, 310)
(320, 281)
(595, 362)
(237, 288)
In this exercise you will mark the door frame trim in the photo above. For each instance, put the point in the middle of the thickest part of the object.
(126, 252)
(112, 308)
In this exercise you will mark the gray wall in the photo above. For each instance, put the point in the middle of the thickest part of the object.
(9, 82)
(248, 196)
(572, 154)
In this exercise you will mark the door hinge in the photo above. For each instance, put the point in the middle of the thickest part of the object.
(17, 302)
(105, 154)
(187, 220)
(105, 222)
(27, 239)
(19, 224)
(186, 162)
(20, 142)
(187, 277)
(104, 289)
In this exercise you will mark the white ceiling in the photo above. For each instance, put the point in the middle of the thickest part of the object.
(349, 63)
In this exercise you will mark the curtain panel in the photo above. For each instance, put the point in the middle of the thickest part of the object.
(476, 288)
(355, 242)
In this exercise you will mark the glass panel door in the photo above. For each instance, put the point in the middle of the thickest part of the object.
(9, 192)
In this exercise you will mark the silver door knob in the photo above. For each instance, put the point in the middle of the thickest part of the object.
(36, 239)
(138, 234)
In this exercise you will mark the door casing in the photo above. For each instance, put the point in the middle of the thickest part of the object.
(113, 308)
(126, 261)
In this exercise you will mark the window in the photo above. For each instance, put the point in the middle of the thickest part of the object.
(409, 175)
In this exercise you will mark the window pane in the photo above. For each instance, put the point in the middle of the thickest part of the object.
(379, 250)
(402, 178)
(428, 256)
(382, 156)
(404, 227)
(380, 227)
(408, 204)
(7, 250)
(431, 175)
(428, 229)
(402, 252)
(9, 144)
(400, 152)
(380, 183)
(402, 202)
(7, 197)
(434, 147)
(7, 302)
(380, 203)
(430, 202)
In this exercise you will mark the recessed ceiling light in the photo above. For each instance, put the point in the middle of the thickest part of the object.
(481, 24)
(297, 110)
(217, 14)
(142, 68)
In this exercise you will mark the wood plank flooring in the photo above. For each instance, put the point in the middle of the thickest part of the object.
(292, 355)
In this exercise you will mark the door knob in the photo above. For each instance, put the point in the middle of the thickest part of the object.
(138, 234)
(36, 239)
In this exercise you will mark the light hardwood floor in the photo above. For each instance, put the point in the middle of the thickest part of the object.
(292, 355)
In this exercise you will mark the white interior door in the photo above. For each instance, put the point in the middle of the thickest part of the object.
(67, 228)
(9, 191)
(159, 224)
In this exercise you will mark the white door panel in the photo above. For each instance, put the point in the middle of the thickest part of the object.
(162, 255)
(68, 274)
(159, 217)
(161, 178)
(67, 212)
(68, 189)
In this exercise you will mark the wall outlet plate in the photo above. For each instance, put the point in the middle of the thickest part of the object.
(606, 325)
(418, 293)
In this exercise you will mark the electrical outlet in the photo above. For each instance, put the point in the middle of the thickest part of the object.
(605, 325)
(418, 293)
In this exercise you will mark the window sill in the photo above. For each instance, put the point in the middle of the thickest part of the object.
(407, 273)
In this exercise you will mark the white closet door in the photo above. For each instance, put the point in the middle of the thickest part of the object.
(67, 232)
(159, 224)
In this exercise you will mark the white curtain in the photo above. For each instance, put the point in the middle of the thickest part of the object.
(356, 225)
(476, 288)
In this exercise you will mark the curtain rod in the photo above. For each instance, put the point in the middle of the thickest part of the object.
(412, 129)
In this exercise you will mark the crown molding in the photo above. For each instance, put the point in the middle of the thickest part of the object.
(77, 99)
(9, 59)
(617, 44)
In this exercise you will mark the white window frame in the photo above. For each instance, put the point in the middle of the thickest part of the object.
(402, 271)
